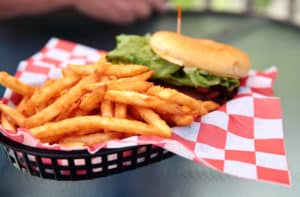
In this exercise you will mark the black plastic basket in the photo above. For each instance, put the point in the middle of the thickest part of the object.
(80, 165)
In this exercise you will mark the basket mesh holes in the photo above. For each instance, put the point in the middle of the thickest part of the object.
(126, 163)
(31, 158)
(97, 169)
(79, 162)
(153, 155)
(81, 172)
(142, 149)
(46, 160)
(140, 159)
(63, 162)
(112, 166)
(65, 172)
(127, 153)
(112, 157)
(49, 171)
(34, 168)
(165, 152)
(96, 160)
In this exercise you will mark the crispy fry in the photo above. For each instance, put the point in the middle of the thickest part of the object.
(13, 114)
(120, 110)
(15, 85)
(142, 100)
(129, 84)
(46, 92)
(178, 97)
(61, 104)
(210, 105)
(107, 108)
(71, 125)
(89, 139)
(88, 69)
(68, 112)
(7, 124)
(153, 119)
(92, 100)
(143, 77)
(23, 104)
(178, 120)
(125, 70)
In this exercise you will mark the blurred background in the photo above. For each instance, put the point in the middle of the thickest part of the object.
(286, 10)
(267, 30)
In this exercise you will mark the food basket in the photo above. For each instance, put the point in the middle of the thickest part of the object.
(79, 164)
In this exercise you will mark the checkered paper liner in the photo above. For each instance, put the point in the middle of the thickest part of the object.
(243, 138)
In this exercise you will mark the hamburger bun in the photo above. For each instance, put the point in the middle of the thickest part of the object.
(213, 57)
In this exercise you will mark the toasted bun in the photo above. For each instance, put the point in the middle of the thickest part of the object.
(213, 57)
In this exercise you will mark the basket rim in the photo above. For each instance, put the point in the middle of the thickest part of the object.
(9, 143)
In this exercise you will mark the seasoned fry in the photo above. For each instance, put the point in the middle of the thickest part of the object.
(178, 97)
(153, 119)
(23, 104)
(181, 120)
(120, 110)
(61, 104)
(71, 125)
(143, 77)
(94, 103)
(107, 108)
(6, 124)
(15, 85)
(142, 100)
(89, 139)
(125, 70)
(46, 92)
(92, 100)
(210, 105)
(129, 84)
(88, 69)
(13, 114)
(68, 112)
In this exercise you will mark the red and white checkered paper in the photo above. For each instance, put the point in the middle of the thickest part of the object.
(243, 138)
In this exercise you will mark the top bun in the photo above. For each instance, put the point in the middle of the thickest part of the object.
(213, 57)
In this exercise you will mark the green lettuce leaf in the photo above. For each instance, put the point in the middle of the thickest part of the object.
(136, 49)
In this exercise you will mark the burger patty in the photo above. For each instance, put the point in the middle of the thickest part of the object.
(218, 93)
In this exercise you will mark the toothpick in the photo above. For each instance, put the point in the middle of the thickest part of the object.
(178, 19)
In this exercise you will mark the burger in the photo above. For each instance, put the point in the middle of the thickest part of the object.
(201, 68)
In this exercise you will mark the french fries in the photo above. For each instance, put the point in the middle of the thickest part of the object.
(13, 114)
(6, 124)
(143, 100)
(71, 125)
(15, 85)
(89, 139)
(94, 103)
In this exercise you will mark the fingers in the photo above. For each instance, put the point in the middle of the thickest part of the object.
(14, 8)
(102, 10)
(158, 5)
(119, 11)
(142, 9)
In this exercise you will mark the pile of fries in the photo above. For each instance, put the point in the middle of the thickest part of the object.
(93, 103)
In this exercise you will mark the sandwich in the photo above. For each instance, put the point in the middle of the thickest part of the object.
(202, 68)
